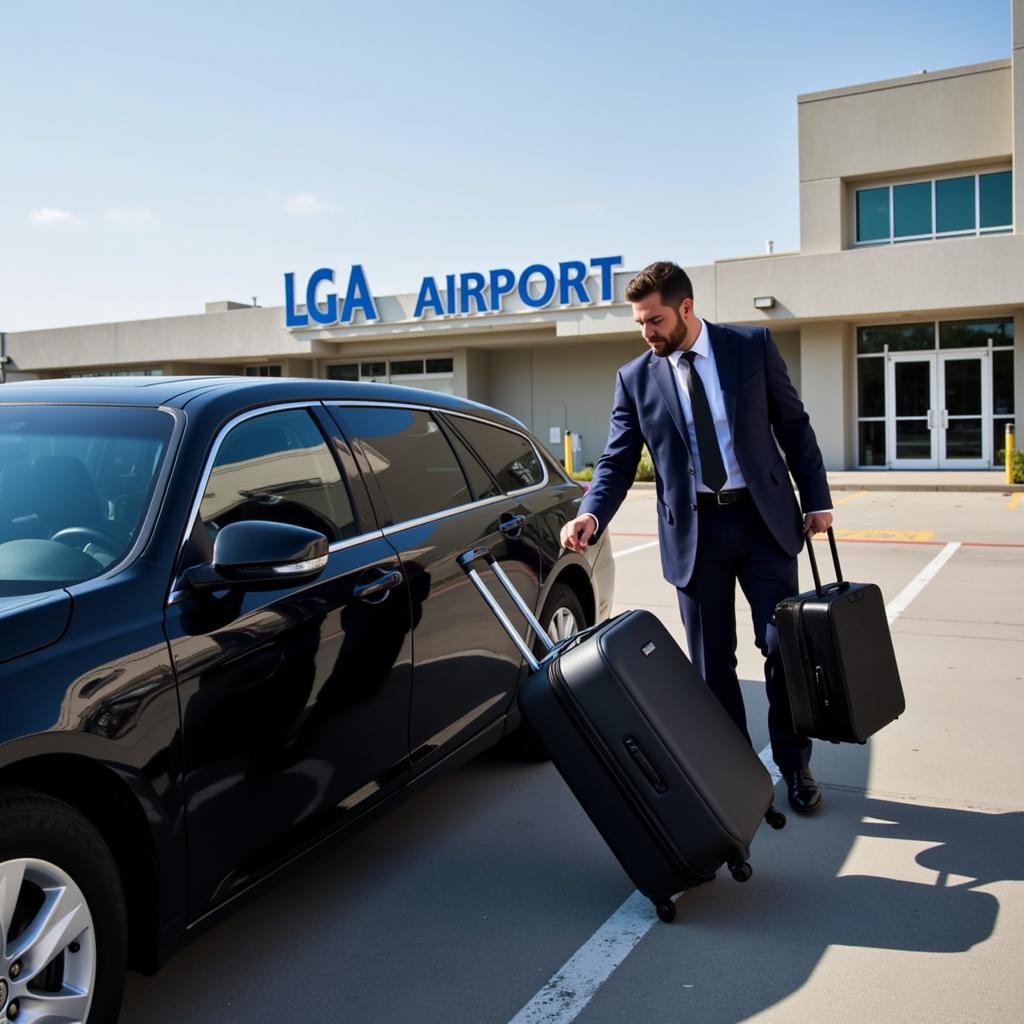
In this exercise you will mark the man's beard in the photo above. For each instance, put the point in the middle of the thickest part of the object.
(674, 339)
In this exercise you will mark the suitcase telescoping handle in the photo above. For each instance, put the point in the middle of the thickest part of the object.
(840, 583)
(466, 560)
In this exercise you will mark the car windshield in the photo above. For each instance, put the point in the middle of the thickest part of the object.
(75, 482)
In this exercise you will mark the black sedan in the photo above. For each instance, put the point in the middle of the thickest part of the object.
(232, 623)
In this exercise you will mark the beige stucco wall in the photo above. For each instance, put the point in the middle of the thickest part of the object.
(788, 343)
(824, 215)
(1018, 115)
(478, 362)
(945, 277)
(922, 123)
(551, 386)
(823, 361)
(573, 390)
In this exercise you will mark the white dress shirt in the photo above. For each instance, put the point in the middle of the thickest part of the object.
(705, 366)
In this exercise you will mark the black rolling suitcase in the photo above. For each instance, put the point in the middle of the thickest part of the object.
(841, 672)
(664, 774)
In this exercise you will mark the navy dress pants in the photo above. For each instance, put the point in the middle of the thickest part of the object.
(733, 544)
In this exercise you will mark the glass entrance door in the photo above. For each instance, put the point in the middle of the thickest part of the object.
(963, 411)
(911, 383)
(939, 408)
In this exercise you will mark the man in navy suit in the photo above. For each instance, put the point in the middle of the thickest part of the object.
(714, 404)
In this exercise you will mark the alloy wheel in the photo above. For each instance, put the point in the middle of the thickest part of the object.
(47, 944)
(562, 625)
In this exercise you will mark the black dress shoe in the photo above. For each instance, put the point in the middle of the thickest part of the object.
(803, 790)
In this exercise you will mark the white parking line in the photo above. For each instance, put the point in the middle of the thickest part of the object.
(898, 605)
(574, 984)
(639, 547)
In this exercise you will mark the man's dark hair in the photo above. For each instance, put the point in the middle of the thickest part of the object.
(669, 279)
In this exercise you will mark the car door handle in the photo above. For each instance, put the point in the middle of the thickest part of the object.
(512, 526)
(379, 586)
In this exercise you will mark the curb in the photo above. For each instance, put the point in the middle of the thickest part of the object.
(960, 488)
(857, 486)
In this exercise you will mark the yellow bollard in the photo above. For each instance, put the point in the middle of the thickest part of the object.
(1009, 452)
(568, 452)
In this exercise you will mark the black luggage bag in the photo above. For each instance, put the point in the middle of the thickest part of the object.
(841, 673)
(657, 764)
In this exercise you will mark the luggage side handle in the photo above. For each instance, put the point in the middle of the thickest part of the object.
(466, 560)
(840, 583)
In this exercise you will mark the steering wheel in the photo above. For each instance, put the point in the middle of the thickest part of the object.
(80, 536)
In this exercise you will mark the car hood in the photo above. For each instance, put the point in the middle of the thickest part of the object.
(32, 621)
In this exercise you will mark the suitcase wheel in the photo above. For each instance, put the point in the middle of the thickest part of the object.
(741, 871)
(666, 909)
(775, 818)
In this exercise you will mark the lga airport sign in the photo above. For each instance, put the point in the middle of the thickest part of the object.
(329, 301)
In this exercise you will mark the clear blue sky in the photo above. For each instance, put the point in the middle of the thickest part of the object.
(156, 156)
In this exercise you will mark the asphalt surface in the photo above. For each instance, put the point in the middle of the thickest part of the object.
(901, 901)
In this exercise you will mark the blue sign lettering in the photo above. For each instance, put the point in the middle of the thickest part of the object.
(464, 294)
(607, 286)
(358, 296)
(328, 315)
(549, 286)
(428, 296)
(291, 318)
(502, 283)
(471, 286)
(571, 277)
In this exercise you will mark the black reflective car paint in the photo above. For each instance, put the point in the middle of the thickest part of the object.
(225, 735)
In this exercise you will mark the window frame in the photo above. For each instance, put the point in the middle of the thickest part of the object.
(497, 426)
(177, 592)
(441, 413)
(975, 232)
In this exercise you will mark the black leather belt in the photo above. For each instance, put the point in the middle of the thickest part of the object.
(733, 497)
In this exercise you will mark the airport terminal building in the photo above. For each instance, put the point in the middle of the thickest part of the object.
(901, 318)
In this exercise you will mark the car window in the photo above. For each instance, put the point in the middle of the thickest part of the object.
(408, 454)
(75, 482)
(480, 481)
(510, 457)
(277, 468)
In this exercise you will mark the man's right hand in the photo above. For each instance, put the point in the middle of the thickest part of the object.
(576, 534)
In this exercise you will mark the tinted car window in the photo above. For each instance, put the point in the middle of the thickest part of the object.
(510, 457)
(480, 482)
(74, 484)
(410, 458)
(277, 467)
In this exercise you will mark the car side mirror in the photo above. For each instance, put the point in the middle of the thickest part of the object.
(258, 555)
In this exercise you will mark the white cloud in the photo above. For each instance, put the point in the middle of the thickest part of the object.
(130, 217)
(306, 205)
(47, 217)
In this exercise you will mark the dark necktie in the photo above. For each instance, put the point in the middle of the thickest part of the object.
(712, 468)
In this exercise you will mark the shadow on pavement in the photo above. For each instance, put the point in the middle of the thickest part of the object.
(823, 881)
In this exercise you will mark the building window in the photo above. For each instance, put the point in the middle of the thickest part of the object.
(343, 371)
(968, 204)
(433, 373)
(912, 386)
(264, 370)
(149, 371)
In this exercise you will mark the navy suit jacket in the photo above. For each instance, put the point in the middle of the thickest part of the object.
(764, 413)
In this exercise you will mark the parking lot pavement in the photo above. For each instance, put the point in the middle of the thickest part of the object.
(902, 900)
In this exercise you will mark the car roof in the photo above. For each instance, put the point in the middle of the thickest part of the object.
(179, 392)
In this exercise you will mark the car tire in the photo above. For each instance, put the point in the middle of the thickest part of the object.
(561, 617)
(55, 867)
